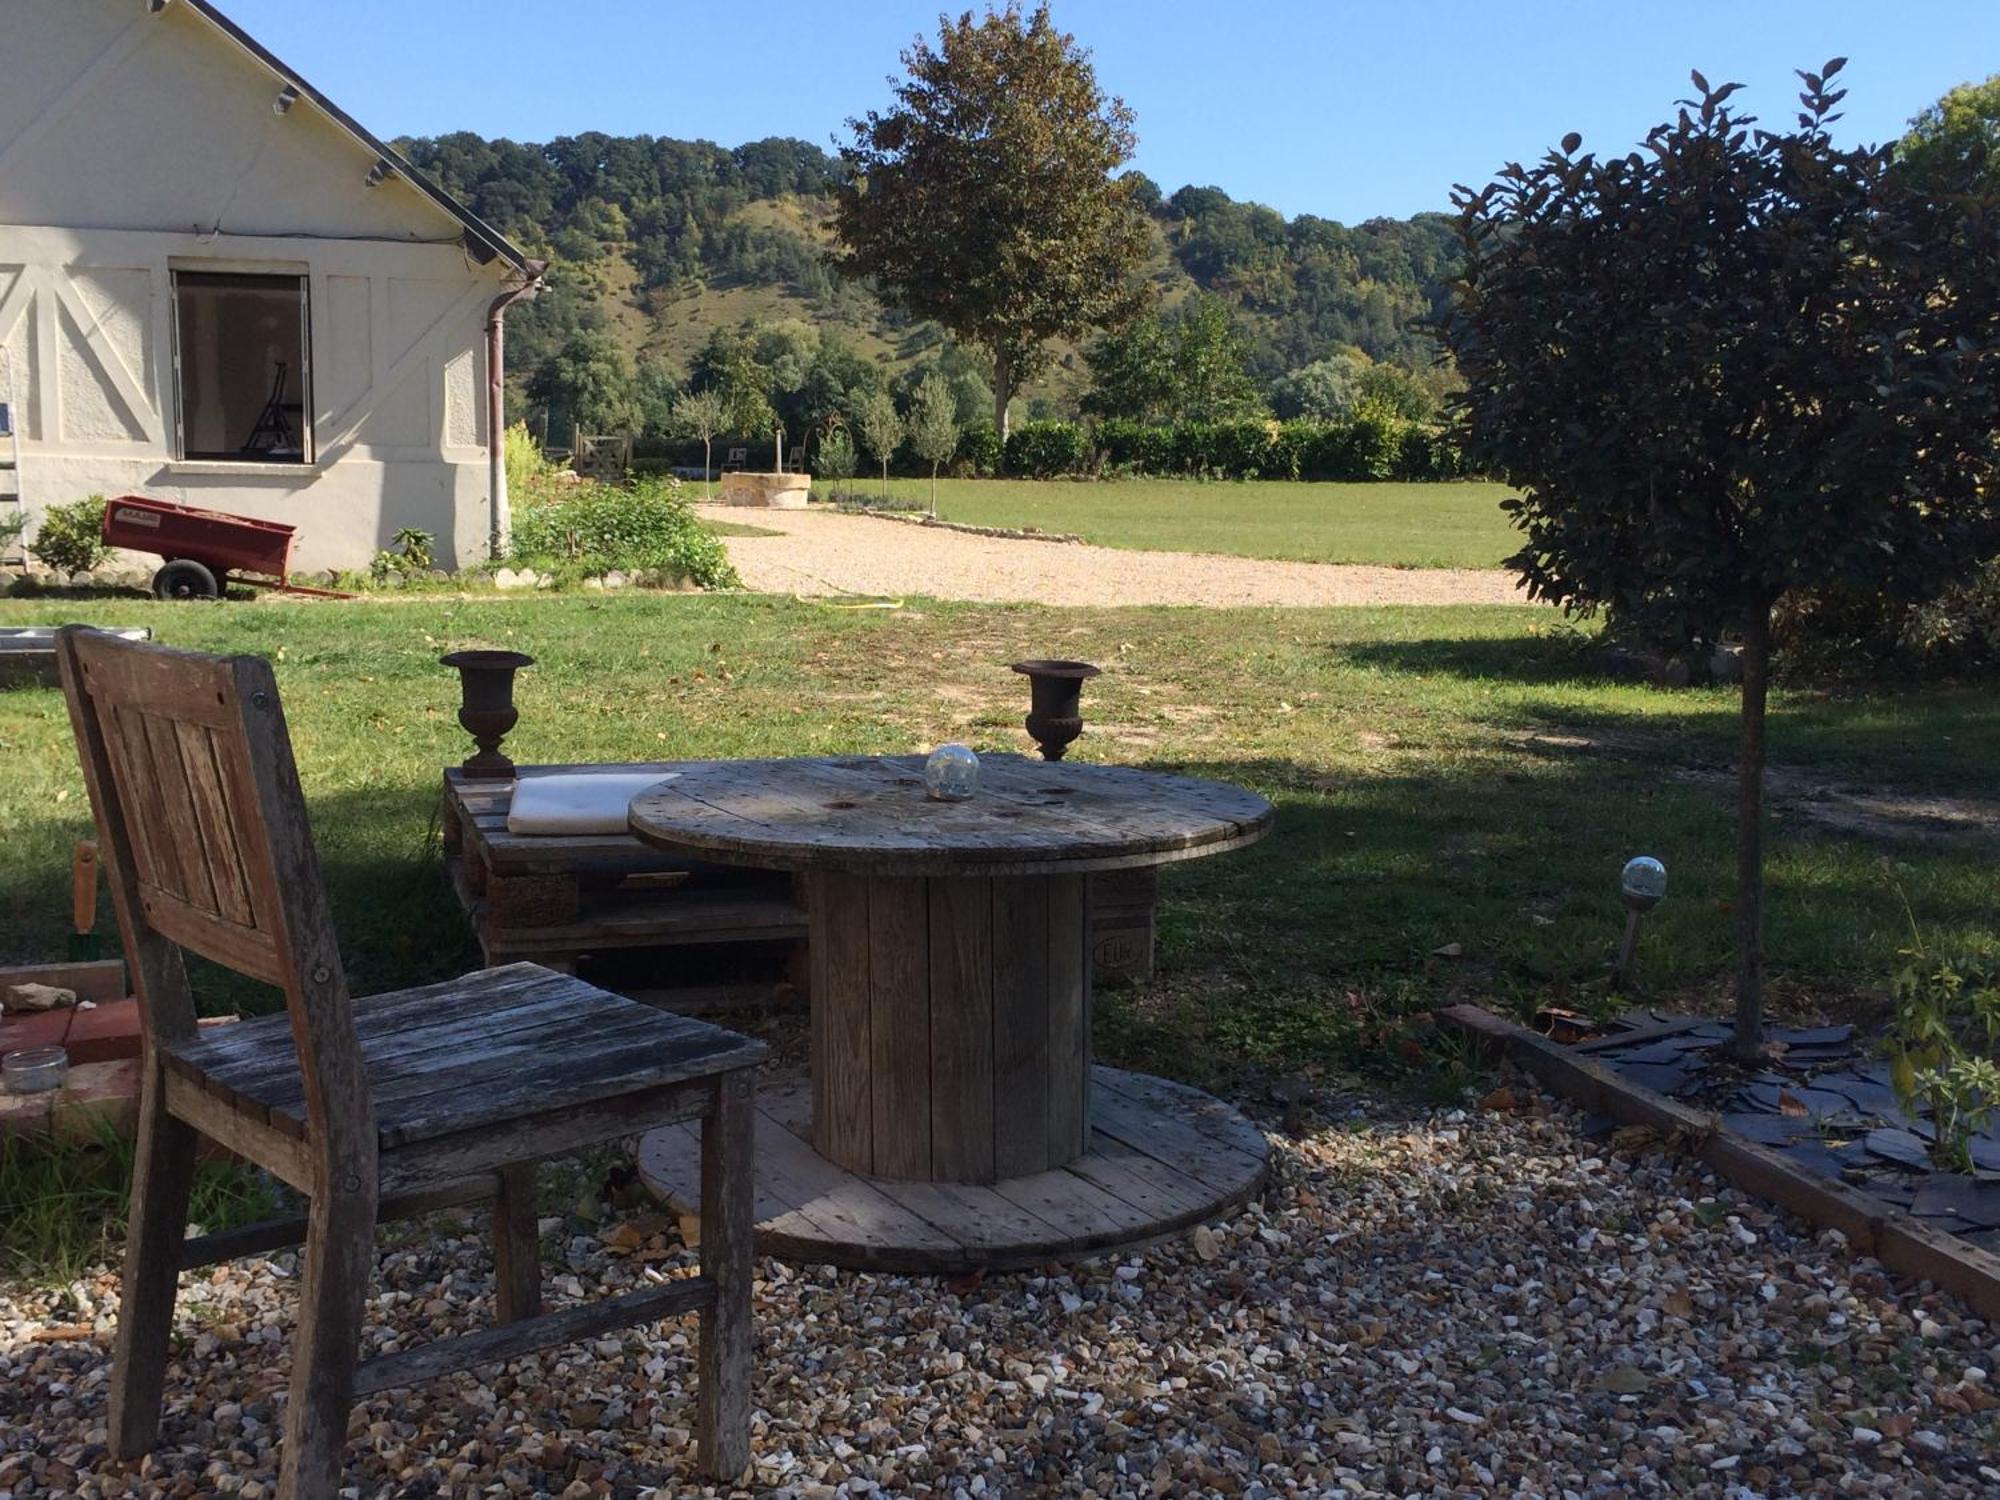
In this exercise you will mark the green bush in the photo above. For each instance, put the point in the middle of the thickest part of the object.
(979, 451)
(70, 538)
(1046, 450)
(594, 528)
(1831, 633)
(1224, 450)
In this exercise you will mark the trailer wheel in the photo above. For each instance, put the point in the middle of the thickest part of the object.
(184, 578)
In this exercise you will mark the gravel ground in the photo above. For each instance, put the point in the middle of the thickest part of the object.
(1469, 1304)
(824, 552)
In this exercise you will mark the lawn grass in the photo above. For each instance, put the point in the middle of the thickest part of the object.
(1397, 525)
(1443, 777)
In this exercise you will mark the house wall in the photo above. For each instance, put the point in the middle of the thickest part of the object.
(135, 144)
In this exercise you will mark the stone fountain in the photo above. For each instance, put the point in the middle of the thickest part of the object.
(772, 490)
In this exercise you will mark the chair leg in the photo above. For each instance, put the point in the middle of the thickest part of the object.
(727, 1219)
(333, 1286)
(163, 1172)
(517, 1269)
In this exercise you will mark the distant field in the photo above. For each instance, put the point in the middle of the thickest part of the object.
(1400, 525)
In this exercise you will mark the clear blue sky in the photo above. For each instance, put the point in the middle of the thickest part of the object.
(1347, 110)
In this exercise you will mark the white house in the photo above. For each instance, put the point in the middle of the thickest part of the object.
(217, 288)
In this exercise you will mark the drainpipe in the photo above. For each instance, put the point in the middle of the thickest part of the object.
(496, 406)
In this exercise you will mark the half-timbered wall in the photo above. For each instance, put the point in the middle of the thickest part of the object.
(134, 144)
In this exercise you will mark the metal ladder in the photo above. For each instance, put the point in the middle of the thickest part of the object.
(13, 497)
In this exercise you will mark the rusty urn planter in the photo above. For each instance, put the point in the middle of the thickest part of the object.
(486, 705)
(1055, 703)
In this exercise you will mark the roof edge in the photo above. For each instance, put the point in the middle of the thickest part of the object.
(482, 237)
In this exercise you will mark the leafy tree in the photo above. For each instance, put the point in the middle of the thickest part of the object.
(881, 430)
(1189, 366)
(934, 425)
(833, 460)
(587, 386)
(701, 414)
(1211, 381)
(1323, 391)
(654, 391)
(1954, 145)
(727, 364)
(1731, 366)
(1394, 392)
(984, 198)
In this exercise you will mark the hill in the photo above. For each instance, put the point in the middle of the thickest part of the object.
(659, 243)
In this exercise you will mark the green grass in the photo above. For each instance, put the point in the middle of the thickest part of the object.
(63, 1201)
(1398, 525)
(1442, 776)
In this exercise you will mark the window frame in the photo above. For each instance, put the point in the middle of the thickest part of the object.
(285, 272)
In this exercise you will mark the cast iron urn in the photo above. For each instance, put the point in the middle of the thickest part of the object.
(486, 705)
(1055, 702)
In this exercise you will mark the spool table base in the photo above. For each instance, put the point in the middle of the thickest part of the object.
(1162, 1158)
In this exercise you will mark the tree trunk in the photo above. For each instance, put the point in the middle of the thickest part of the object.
(885, 482)
(934, 469)
(707, 469)
(1003, 394)
(1749, 1037)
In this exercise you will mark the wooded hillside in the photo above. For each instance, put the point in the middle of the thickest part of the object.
(660, 242)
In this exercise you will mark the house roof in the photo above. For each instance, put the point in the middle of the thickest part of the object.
(482, 239)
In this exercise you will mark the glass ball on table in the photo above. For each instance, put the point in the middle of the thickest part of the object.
(952, 773)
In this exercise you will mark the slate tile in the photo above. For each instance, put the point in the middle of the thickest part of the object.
(1973, 1204)
(1903, 1147)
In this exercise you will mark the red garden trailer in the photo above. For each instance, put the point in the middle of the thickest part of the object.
(205, 550)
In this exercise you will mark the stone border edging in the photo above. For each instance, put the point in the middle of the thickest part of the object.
(1899, 1240)
(1005, 533)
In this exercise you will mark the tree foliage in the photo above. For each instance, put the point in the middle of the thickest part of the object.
(933, 425)
(985, 199)
(1727, 367)
(1954, 145)
(1189, 365)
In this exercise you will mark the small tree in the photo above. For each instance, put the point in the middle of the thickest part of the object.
(1735, 364)
(934, 425)
(833, 460)
(985, 197)
(700, 414)
(881, 430)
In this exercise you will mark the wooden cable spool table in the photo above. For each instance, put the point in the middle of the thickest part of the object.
(950, 957)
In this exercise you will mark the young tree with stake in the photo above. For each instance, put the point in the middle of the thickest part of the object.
(1730, 366)
(881, 430)
(700, 414)
(933, 425)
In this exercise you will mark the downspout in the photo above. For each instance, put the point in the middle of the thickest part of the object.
(502, 521)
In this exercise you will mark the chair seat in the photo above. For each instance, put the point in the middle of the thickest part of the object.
(493, 1046)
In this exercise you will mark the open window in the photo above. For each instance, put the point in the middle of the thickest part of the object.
(242, 365)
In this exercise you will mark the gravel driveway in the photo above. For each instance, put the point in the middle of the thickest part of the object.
(1469, 1304)
(826, 552)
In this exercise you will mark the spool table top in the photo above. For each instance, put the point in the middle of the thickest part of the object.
(871, 816)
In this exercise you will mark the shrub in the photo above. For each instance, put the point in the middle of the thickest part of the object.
(1833, 633)
(979, 451)
(1943, 1045)
(600, 527)
(1229, 450)
(1046, 450)
(70, 538)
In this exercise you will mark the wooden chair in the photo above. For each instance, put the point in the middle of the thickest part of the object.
(371, 1108)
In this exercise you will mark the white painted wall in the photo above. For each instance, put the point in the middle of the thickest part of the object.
(134, 144)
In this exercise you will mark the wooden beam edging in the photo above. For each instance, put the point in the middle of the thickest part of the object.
(1899, 1240)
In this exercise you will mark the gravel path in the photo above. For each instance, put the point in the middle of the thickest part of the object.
(825, 552)
(1469, 1304)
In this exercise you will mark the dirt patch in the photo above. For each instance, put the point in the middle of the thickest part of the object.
(823, 554)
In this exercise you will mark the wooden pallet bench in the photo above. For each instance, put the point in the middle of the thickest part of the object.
(554, 898)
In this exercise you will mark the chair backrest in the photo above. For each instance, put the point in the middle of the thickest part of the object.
(204, 831)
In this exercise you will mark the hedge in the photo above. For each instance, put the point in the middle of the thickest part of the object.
(1370, 445)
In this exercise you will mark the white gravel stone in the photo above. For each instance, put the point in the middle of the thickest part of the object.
(1420, 1321)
